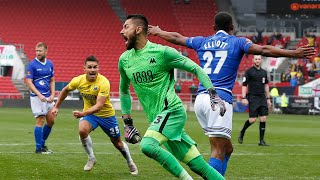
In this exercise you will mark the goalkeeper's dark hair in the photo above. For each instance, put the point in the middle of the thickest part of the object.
(91, 59)
(141, 20)
(223, 21)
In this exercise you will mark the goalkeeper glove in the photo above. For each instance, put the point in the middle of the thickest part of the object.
(131, 133)
(216, 101)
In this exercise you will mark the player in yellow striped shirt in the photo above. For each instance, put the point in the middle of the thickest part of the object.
(97, 111)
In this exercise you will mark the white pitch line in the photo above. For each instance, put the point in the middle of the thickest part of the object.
(109, 143)
(116, 152)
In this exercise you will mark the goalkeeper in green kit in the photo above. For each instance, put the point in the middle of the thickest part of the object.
(149, 68)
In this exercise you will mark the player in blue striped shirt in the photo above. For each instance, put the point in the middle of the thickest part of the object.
(40, 80)
(220, 56)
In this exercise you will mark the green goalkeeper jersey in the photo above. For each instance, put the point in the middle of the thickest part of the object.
(151, 72)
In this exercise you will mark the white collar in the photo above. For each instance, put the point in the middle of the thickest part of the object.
(43, 63)
(222, 31)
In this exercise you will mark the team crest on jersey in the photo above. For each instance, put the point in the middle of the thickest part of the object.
(263, 80)
(95, 88)
(152, 61)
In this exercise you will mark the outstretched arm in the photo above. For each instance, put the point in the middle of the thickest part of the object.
(271, 51)
(62, 95)
(172, 37)
(176, 60)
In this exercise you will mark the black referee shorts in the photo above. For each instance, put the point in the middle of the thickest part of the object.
(257, 105)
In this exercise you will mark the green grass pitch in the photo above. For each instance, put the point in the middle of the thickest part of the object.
(294, 152)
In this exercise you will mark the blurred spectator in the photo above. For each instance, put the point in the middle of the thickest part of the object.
(292, 73)
(269, 40)
(311, 73)
(299, 67)
(288, 76)
(311, 39)
(254, 39)
(283, 77)
(317, 63)
(274, 93)
(178, 88)
(284, 103)
(193, 91)
(308, 64)
(278, 36)
(259, 37)
(273, 36)
(311, 70)
(293, 81)
(301, 80)
(299, 74)
(186, 1)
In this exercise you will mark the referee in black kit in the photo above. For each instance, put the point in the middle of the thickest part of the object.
(258, 97)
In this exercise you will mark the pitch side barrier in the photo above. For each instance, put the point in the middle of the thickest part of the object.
(296, 104)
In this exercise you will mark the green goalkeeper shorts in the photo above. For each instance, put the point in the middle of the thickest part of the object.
(171, 123)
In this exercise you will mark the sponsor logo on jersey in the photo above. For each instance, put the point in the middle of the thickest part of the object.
(89, 96)
(95, 88)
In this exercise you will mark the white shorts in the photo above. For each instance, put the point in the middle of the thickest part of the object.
(211, 122)
(38, 107)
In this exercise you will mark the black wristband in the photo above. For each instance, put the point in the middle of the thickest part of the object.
(268, 98)
(244, 98)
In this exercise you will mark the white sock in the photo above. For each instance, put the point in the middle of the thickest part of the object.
(185, 176)
(87, 146)
(126, 153)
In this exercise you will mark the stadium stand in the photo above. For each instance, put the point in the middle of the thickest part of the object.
(192, 19)
(72, 30)
(8, 89)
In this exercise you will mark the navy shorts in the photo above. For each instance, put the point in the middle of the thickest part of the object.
(109, 125)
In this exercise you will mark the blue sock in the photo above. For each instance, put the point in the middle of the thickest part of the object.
(216, 164)
(38, 137)
(46, 132)
(225, 164)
